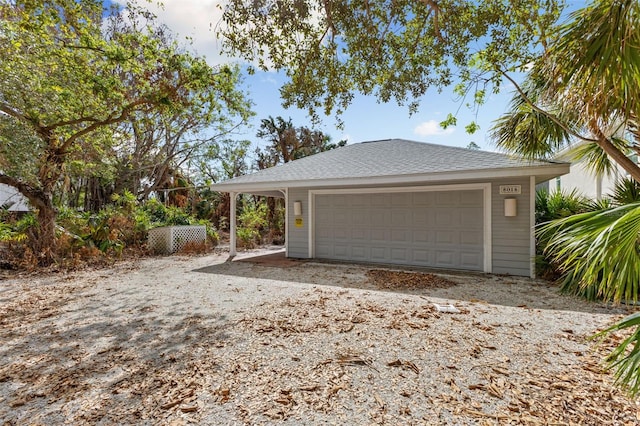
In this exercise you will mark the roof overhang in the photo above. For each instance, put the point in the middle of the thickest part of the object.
(275, 188)
(275, 191)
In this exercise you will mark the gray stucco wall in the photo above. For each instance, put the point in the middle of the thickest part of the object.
(510, 235)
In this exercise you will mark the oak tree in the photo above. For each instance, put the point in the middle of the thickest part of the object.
(393, 49)
(69, 69)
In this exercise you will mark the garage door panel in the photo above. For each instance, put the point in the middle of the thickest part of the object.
(439, 229)
(421, 236)
(470, 217)
(445, 258)
(470, 198)
(379, 234)
(342, 234)
(340, 201)
(446, 237)
(360, 253)
(381, 200)
(400, 235)
(360, 234)
(421, 257)
(400, 255)
(324, 233)
(423, 199)
(444, 218)
(360, 217)
(360, 200)
(469, 260)
(379, 254)
(447, 198)
(473, 238)
(324, 216)
(341, 216)
(420, 217)
(380, 217)
(401, 199)
(400, 217)
(324, 251)
(341, 251)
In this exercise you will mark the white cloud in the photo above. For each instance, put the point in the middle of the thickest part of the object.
(432, 128)
(270, 80)
(197, 19)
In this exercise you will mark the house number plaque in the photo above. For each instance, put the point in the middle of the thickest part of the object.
(510, 189)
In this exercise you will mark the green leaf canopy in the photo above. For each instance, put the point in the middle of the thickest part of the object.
(393, 49)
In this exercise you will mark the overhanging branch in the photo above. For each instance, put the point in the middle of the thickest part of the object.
(552, 117)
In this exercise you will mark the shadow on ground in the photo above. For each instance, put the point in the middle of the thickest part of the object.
(126, 365)
(473, 287)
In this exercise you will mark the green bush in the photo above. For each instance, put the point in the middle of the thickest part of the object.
(559, 204)
(85, 236)
(13, 230)
(591, 230)
(553, 206)
(252, 222)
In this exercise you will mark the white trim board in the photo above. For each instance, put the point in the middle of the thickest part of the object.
(485, 187)
(285, 192)
(532, 224)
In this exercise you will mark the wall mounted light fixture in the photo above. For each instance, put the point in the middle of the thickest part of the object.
(510, 207)
(297, 208)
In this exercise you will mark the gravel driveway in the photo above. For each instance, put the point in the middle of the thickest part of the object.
(199, 340)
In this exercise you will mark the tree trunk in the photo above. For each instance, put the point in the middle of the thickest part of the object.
(618, 156)
(42, 240)
(45, 244)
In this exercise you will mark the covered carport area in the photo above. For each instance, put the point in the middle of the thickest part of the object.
(233, 206)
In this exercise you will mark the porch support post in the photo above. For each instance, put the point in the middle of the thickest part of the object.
(232, 224)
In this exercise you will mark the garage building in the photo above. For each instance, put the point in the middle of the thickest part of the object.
(407, 203)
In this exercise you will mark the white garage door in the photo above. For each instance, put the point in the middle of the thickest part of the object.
(442, 229)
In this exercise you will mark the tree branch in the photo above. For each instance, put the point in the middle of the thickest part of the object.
(330, 26)
(124, 113)
(34, 195)
(435, 9)
(536, 108)
(618, 156)
(601, 139)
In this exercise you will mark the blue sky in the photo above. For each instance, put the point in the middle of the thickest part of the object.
(364, 120)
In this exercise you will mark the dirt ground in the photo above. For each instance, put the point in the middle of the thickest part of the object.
(200, 340)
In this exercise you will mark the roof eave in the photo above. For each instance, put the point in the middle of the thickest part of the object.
(546, 172)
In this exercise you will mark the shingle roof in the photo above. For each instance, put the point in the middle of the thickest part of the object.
(385, 158)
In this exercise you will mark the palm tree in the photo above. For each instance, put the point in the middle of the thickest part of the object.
(626, 357)
(585, 88)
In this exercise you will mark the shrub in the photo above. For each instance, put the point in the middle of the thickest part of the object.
(553, 206)
(252, 221)
(559, 204)
(95, 238)
(590, 233)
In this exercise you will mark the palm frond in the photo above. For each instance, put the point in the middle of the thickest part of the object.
(626, 191)
(559, 204)
(595, 158)
(600, 59)
(598, 252)
(625, 358)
